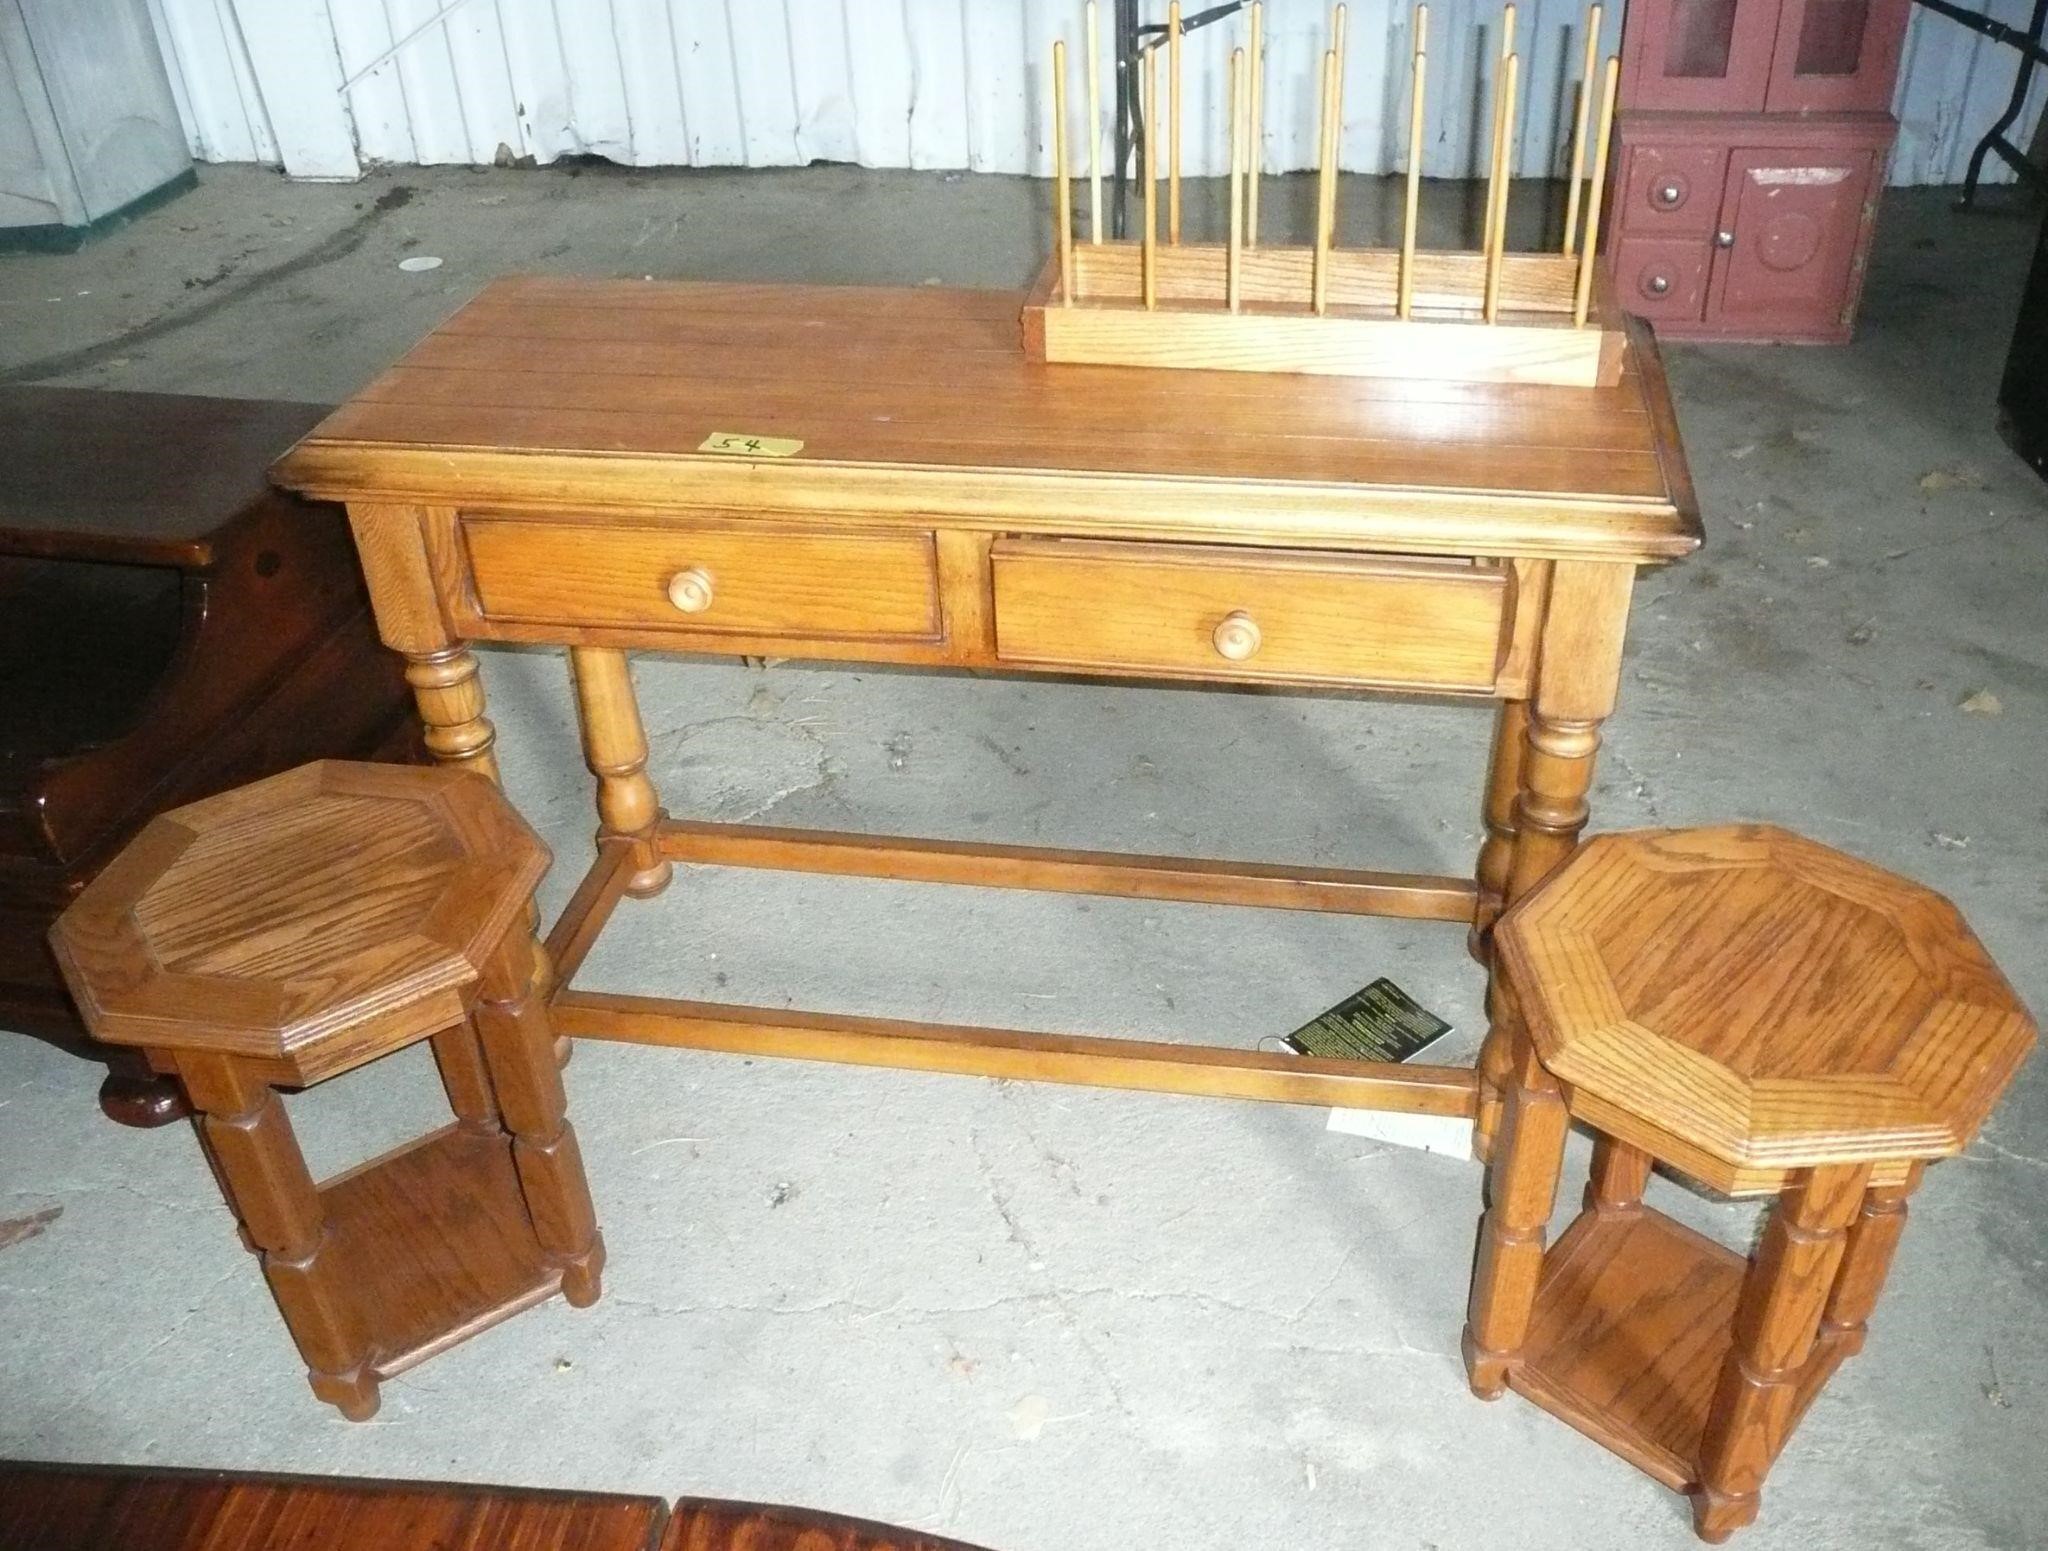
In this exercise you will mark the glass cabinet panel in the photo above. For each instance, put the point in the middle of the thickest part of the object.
(1698, 55)
(1831, 37)
(1702, 34)
(1837, 56)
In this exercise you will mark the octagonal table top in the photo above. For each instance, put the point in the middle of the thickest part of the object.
(1765, 1001)
(337, 903)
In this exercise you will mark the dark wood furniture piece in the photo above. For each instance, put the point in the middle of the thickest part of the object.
(1767, 1017)
(103, 1507)
(882, 476)
(290, 931)
(2023, 391)
(707, 1524)
(52, 1507)
(169, 627)
(1751, 153)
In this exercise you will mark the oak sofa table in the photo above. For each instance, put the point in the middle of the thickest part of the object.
(1770, 1018)
(296, 929)
(874, 475)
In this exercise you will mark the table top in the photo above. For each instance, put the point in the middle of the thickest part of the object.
(92, 1507)
(268, 920)
(1763, 999)
(922, 399)
(143, 478)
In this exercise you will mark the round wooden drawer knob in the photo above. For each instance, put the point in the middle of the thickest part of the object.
(690, 590)
(1237, 636)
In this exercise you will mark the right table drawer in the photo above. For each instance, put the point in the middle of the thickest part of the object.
(1216, 612)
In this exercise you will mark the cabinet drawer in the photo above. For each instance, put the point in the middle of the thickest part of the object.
(1663, 279)
(706, 577)
(1669, 189)
(1216, 612)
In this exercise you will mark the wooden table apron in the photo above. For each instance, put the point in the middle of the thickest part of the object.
(533, 472)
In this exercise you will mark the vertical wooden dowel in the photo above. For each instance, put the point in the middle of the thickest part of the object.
(1233, 259)
(1062, 196)
(1571, 198)
(1095, 125)
(1418, 70)
(1319, 296)
(1500, 102)
(1255, 127)
(1150, 267)
(1590, 247)
(1336, 113)
(1495, 148)
(1497, 234)
(1173, 123)
(1337, 14)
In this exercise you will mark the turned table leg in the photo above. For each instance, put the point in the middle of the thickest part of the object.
(1873, 1240)
(1503, 784)
(257, 1159)
(1550, 811)
(512, 1023)
(1618, 1176)
(615, 748)
(459, 1057)
(450, 695)
(1521, 1189)
(1578, 681)
(1783, 1297)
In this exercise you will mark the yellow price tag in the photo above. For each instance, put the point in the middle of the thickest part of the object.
(751, 446)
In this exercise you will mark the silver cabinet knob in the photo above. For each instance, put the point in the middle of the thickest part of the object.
(1724, 239)
(1669, 194)
(1657, 285)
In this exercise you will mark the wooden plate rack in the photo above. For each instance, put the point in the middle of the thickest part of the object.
(1240, 305)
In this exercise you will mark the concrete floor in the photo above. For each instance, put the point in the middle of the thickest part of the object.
(1052, 1319)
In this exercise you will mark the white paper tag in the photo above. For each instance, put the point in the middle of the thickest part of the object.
(1445, 1134)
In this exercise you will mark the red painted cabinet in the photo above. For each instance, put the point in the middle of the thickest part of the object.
(1750, 147)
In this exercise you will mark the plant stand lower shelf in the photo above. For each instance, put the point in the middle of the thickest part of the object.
(436, 1240)
(1633, 1323)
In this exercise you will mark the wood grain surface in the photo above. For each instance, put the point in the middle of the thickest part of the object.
(916, 401)
(1762, 1001)
(1156, 608)
(704, 1524)
(101, 1507)
(326, 911)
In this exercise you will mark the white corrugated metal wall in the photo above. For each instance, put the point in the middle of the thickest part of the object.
(323, 87)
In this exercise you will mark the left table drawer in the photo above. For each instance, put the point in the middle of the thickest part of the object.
(706, 577)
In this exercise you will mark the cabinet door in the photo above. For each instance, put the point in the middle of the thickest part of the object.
(1790, 242)
(1837, 56)
(1698, 54)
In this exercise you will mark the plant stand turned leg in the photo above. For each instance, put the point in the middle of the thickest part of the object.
(268, 1186)
(1782, 1300)
(518, 1047)
(1521, 1187)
